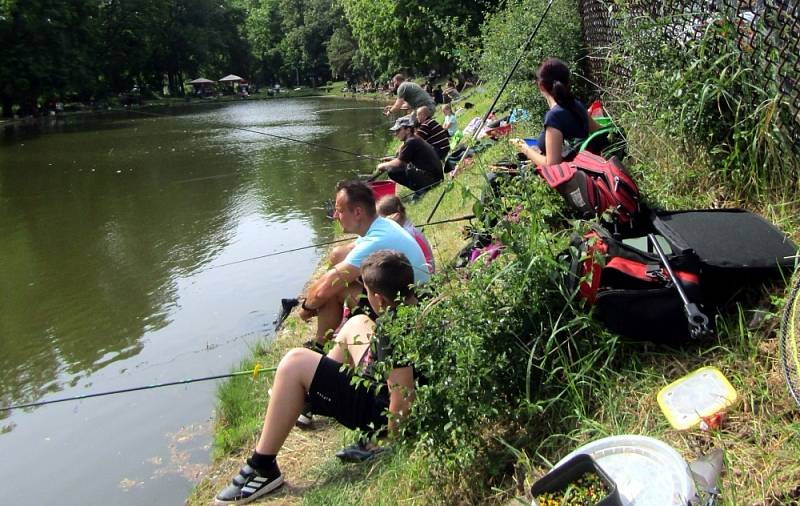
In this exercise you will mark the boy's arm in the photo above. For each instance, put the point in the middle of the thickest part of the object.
(401, 394)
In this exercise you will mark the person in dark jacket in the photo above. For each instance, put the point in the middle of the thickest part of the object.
(417, 165)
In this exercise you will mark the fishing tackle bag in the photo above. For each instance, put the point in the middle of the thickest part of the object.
(715, 254)
(592, 185)
(629, 288)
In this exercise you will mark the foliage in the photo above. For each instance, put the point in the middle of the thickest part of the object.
(501, 350)
(396, 35)
(80, 49)
(701, 90)
(44, 47)
(504, 33)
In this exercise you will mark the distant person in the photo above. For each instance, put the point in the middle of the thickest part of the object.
(450, 121)
(430, 131)
(390, 206)
(566, 118)
(438, 94)
(409, 94)
(417, 165)
(377, 402)
(355, 211)
(450, 91)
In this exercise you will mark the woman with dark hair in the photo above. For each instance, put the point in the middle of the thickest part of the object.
(566, 119)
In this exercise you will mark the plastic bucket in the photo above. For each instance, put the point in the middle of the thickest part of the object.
(382, 188)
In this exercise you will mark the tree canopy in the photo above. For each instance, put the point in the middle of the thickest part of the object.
(89, 49)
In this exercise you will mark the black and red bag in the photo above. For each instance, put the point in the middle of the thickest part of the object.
(715, 255)
(631, 290)
(593, 185)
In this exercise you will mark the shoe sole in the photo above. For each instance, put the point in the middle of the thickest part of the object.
(276, 483)
(304, 422)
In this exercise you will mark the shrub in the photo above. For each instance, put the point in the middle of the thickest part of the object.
(506, 357)
(703, 91)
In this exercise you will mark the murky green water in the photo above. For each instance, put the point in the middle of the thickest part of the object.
(111, 231)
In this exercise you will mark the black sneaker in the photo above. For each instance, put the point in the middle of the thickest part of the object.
(359, 452)
(249, 485)
(306, 418)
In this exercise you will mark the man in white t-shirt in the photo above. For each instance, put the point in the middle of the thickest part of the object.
(355, 211)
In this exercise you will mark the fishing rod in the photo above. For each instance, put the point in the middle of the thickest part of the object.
(321, 244)
(250, 130)
(254, 372)
(231, 174)
(522, 52)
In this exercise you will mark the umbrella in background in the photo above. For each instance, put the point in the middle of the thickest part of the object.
(231, 78)
(202, 85)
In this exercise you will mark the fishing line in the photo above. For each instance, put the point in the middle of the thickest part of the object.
(254, 372)
(522, 52)
(231, 174)
(321, 244)
(349, 109)
(276, 253)
(250, 130)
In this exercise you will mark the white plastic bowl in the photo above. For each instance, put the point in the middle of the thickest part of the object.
(648, 472)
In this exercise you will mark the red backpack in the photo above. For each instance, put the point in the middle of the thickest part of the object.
(592, 185)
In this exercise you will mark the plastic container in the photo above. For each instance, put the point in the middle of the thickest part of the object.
(569, 472)
(382, 188)
(604, 121)
(532, 143)
(697, 395)
(595, 109)
(647, 472)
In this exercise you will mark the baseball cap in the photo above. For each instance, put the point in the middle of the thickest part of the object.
(402, 122)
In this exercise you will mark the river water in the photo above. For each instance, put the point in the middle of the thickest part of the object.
(111, 228)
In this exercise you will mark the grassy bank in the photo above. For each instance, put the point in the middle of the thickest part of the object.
(609, 388)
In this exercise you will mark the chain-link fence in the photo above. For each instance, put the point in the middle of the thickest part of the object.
(767, 35)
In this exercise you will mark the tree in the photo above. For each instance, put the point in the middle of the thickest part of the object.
(396, 34)
(341, 50)
(45, 49)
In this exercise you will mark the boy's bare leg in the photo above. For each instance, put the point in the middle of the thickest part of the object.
(353, 340)
(292, 380)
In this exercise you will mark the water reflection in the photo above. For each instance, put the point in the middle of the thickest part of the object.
(100, 218)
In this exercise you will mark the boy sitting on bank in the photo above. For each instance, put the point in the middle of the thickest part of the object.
(388, 278)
